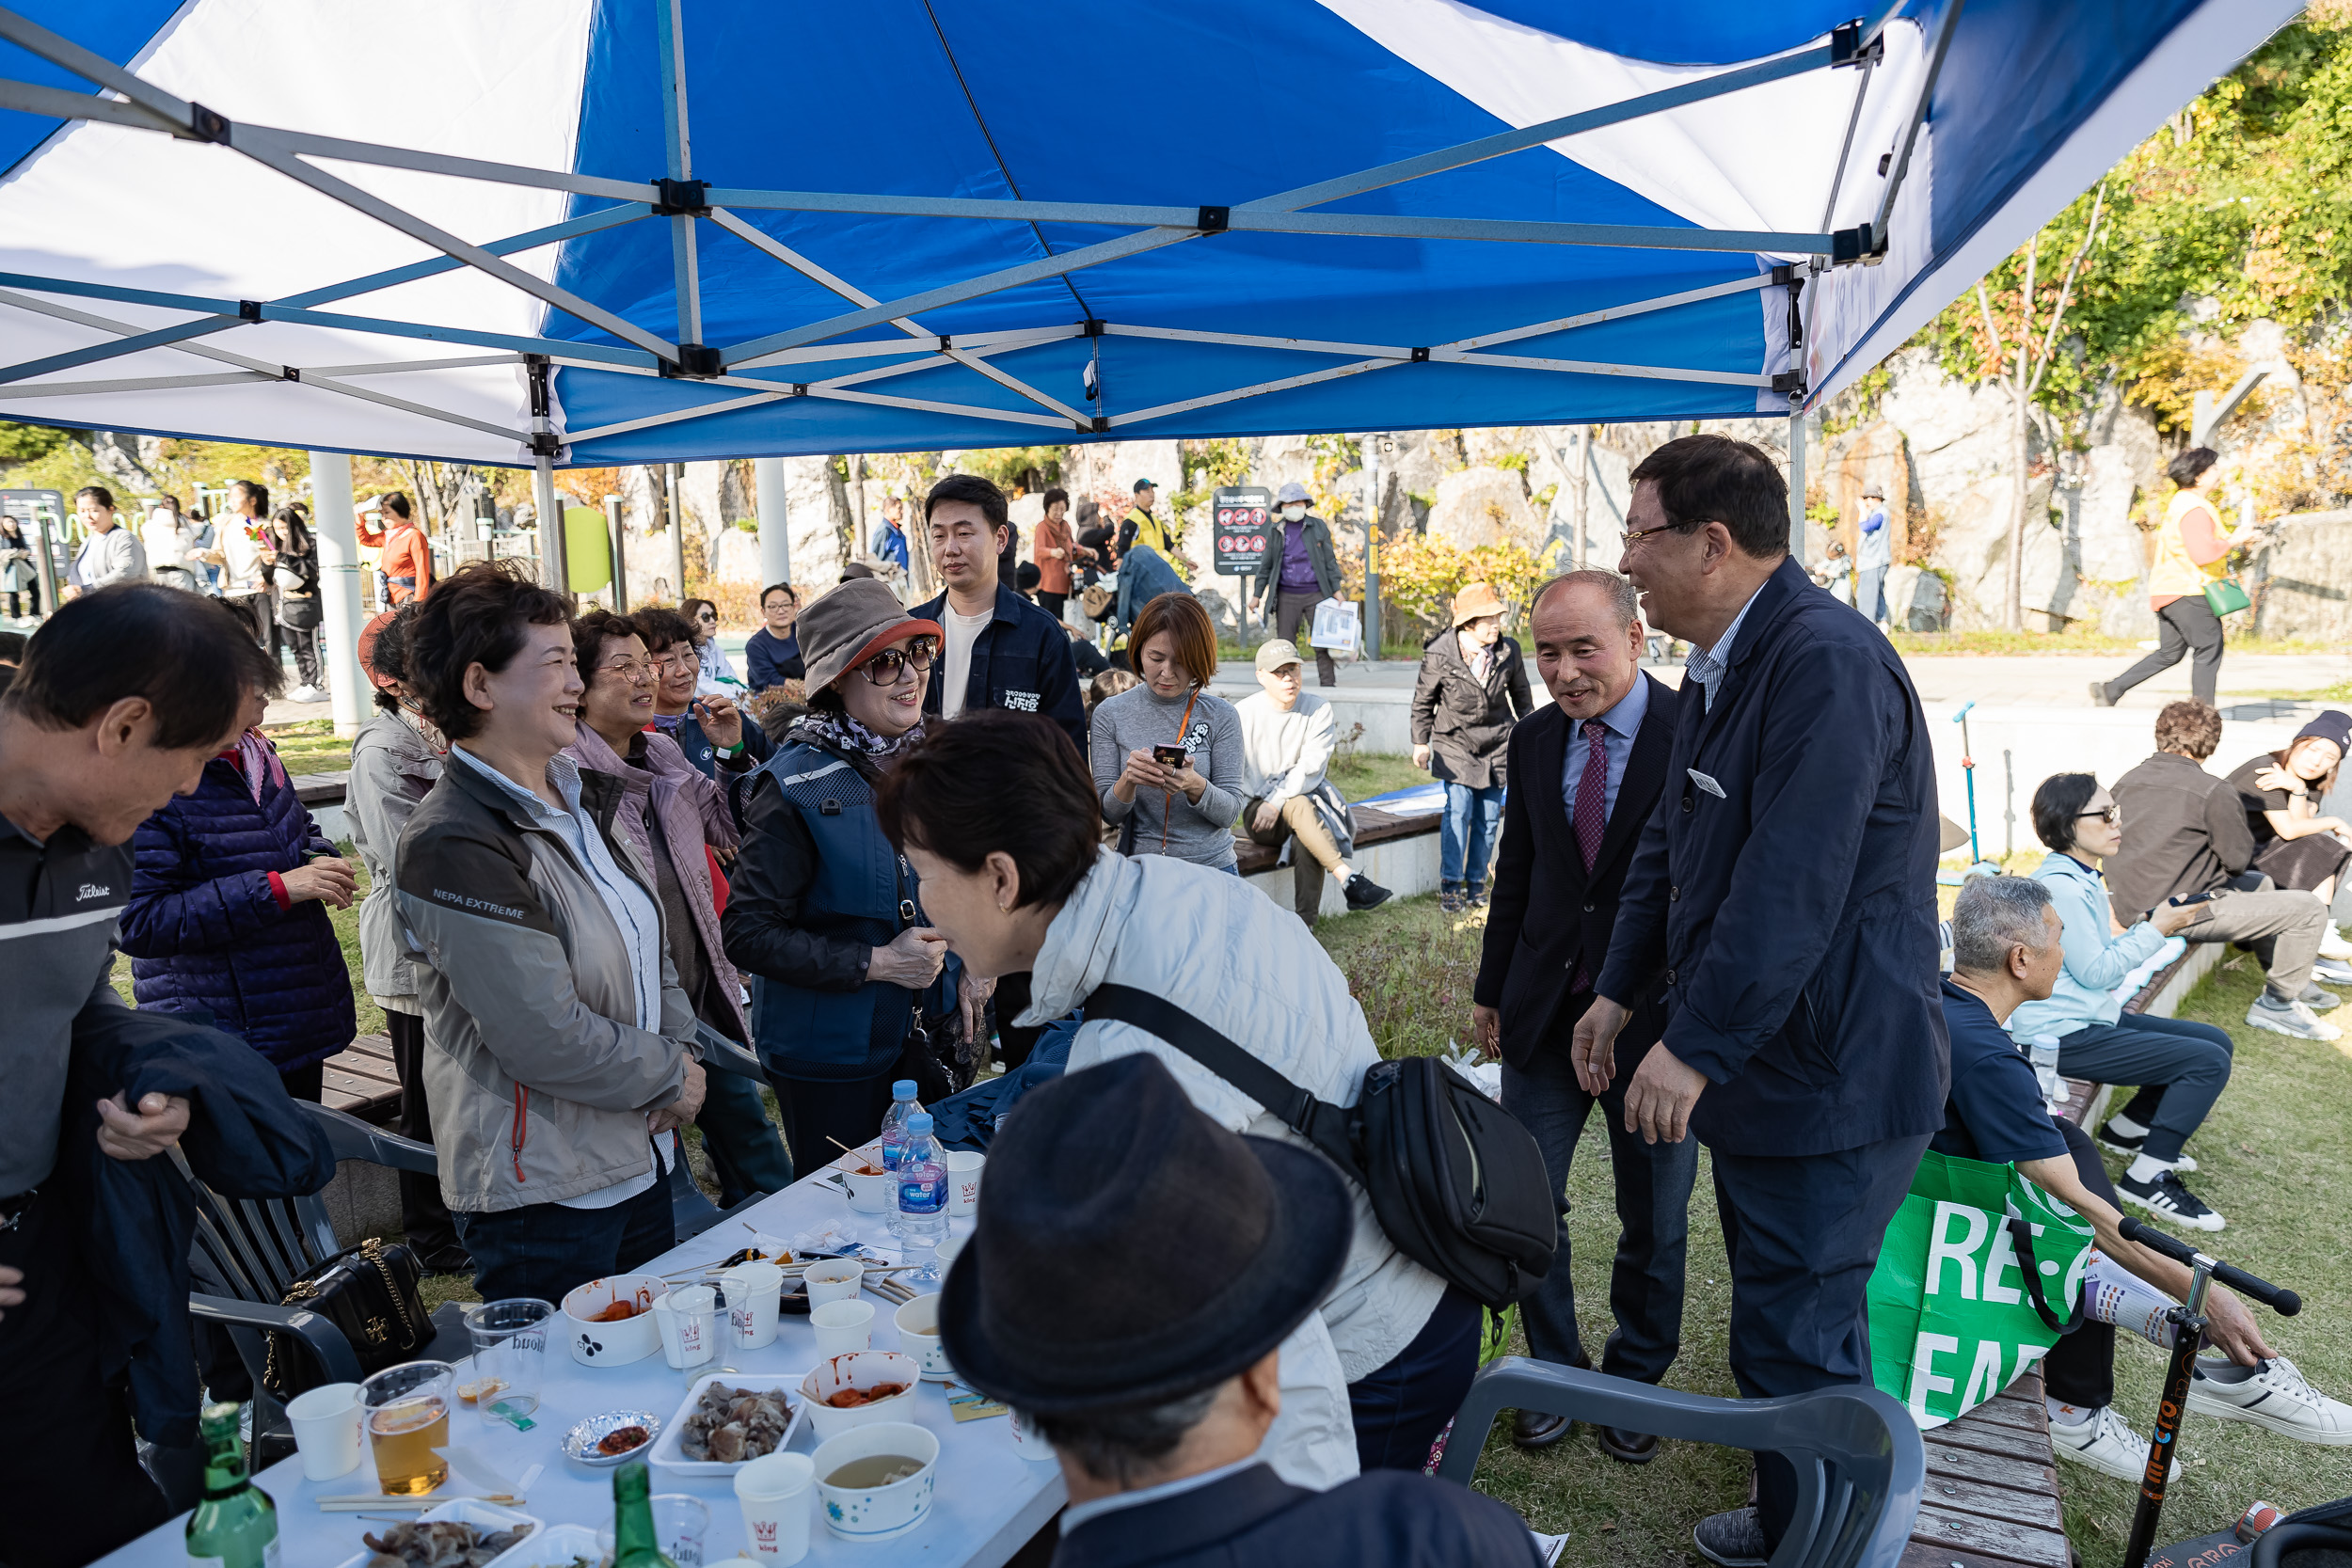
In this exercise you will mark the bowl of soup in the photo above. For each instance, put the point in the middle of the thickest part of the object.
(875, 1483)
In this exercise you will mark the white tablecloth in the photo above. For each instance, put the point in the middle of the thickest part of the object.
(988, 1503)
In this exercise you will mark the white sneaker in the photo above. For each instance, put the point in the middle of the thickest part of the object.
(2336, 972)
(2331, 943)
(2275, 1397)
(2290, 1018)
(2106, 1443)
(306, 694)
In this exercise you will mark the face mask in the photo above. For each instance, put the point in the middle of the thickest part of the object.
(1293, 512)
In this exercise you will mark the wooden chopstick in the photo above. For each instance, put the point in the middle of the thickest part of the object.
(359, 1503)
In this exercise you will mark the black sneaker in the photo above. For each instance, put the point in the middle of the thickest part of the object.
(2166, 1198)
(1362, 893)
(1732, 1540)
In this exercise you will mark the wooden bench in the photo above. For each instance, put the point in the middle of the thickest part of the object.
(1992, 1498)
(1372, 826)
(361, 1081)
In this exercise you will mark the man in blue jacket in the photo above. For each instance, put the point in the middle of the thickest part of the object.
(1001, 650)
(1785, 892)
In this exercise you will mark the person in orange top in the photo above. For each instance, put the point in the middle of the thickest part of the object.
(2192, 549)
(1051, 547)
(407, 558)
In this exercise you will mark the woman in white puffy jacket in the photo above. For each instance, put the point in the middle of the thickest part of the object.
(997, 815)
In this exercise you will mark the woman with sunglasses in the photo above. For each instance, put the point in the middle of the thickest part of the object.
(2179, 1066)
(823, 911)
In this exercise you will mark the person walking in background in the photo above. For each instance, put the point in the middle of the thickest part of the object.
(2192, 551)
(396, 759)
(823, 911)
(20, 569)
(559, 1053)
(1165, 803)
(1286, 746)
(1472, 688)
(1566, 849)
(710, 731)
(228, 917)
(673, 816)
(714, 675)
(890, 534)
(1000, 650)
(771, 654)
(1786, 895)
(1054, 549)
(406, 561)
(244, 577)
(2294, 845)
(1877, 555)
(110, 553)
(1144, 575)
(293, 559)
(2180, 1067)
(1300, 575)
(166, 537)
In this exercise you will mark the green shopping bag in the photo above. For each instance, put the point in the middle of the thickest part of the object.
(1954, 1316)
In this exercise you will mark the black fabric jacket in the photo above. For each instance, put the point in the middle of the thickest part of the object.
(1465, 722)
(1549, 915)
(1319, 554)
(2185, 832)
(1021, 661)
(1789, 899)
(1255, 1519)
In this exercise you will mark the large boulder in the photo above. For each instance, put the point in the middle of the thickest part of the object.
(1485, 506)
(2301, 580)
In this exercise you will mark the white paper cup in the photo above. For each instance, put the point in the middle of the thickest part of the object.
(835, 1280)
(870, 1194)
(752, 1289)
(691, 1324)
(775, 1492)
(919, 1335)
(1029, 1442)
(325, 1423)
(842, 1326)
(963, 1182)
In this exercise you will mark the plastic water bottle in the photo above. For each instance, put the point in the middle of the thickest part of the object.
(2044, 1053)
(903, 1108)
(921, 1210)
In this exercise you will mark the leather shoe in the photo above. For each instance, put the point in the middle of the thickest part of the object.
(1533, 1429)
(1631, 1447)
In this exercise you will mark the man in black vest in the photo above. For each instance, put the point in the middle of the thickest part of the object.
(1590, 768)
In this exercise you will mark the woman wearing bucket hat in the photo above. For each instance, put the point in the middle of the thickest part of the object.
(1133, 1278)
(1299, 575)
(823, 909)
(1472, 688)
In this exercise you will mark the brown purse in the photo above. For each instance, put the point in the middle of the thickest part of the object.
(370, 1293)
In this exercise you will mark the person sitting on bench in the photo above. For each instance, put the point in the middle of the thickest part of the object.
(2006, 951)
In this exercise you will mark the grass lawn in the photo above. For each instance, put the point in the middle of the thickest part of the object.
(2275, 1158)
(1360, 775)
(310, 746)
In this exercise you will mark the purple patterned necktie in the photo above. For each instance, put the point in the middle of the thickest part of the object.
(1592, 817)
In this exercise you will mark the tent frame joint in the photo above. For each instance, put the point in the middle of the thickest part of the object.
(1099, 424)
(208, 124)
(250, 310)
(695, 362)
(1848, 47)
(1790, 383)
(1420, 357)
(1214, 220)
(1092, 328)
(1864, 245)
(681, 199)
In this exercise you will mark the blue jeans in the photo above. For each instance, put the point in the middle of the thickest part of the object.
(743, 1144)
(544, 1249)
(1869, 591)
(1466, 836)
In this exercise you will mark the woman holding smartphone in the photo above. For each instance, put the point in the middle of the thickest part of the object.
(1166, 754)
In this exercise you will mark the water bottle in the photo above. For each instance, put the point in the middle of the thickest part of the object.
(2044, 1052)
(921, 1212)
(903, 1108)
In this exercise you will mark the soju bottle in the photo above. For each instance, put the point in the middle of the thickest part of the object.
(236, 1524)
(634, 1544)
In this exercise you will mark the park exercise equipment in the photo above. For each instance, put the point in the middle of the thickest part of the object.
(2188, 1321)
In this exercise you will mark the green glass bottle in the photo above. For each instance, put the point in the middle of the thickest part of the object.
(634, 1542)
(236, 1524)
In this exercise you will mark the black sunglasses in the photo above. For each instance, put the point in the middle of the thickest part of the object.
(885, 668)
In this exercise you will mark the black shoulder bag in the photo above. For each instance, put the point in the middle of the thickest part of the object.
(1457, 1183)
(370, 1293)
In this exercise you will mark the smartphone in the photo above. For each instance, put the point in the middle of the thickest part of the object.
(1171, 756)
(2193, 899)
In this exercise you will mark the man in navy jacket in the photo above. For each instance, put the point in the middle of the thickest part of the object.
(1783, 890)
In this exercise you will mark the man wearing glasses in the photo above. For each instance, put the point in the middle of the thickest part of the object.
(1784, 893)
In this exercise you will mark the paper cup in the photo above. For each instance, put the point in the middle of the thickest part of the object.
(963, 1183)
(775, 1493)
(690, 1324)
(836, 1280)
(842, 1326)
(752, 1289)
(325, 1424)
(870, 1194)
(918, 1337)
(1029, 1442)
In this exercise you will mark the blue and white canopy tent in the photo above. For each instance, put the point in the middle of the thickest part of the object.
(560, 232)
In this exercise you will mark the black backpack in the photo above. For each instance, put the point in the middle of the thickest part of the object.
(1457, 1183)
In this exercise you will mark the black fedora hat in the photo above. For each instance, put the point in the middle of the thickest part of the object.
(1131, 1251)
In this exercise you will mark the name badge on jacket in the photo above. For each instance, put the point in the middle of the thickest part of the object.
(1707, 783)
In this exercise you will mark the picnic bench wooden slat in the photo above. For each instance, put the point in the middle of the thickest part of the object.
(1991, 1495)
(2017, 1475)
(1936, 1554)
(1969, 1495)
(361, 1081)
(1997, 1538)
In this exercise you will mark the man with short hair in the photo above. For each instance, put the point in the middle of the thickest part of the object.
(1589, 768)
(1300, 574)
(1001, 650)
(890, 538)
(1785, 891)
(1876, 555)
(1139, 527)
(1287, 742)
(2186, 836)
(1135, 1273)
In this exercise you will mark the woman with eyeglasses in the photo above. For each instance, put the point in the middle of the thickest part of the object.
(713, 673)
(2180, 1068)
(708, 726)
(823, 909)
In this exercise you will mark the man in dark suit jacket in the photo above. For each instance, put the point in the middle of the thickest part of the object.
(1785, 890)
(1588, 770)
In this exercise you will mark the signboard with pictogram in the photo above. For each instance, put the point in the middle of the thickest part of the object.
(1244, 514)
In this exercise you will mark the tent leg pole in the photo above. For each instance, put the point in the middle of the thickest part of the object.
(339, 585)
(554, 570)
(620, 556)
(1796, 483)
(776, 536)
(674, 476)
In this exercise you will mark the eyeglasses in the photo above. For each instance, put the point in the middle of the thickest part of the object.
(2111, 815)
(636, 672)
(1637, 535)
(885, 668)
(710, 615)
(663, 663)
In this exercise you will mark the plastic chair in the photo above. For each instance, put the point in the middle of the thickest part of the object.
(1859, 1461)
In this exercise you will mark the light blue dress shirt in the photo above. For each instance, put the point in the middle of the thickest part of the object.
(1707, 665)
(1616, 746)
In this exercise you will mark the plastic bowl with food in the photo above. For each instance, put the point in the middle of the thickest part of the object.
(610, 1323)
(613, 1438)
(877, 1385)
(875, 1483)
(752, 1435)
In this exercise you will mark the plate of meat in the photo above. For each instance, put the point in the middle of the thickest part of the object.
(729, 1421)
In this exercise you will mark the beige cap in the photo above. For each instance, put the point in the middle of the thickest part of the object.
(1476, 599)
(1276, 652)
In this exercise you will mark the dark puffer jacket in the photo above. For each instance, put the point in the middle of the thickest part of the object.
(206, 931)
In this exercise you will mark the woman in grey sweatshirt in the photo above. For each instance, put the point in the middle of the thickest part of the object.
(1188, 812)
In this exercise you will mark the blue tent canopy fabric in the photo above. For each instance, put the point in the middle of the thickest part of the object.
(761, 230)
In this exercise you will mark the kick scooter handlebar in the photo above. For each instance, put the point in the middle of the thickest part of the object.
(2277, 1297)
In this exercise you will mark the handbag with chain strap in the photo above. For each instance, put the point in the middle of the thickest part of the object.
(370, 1293)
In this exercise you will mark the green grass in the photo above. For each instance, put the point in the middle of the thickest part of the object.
(310, 746)
(2276, 1157)
(1361, 775)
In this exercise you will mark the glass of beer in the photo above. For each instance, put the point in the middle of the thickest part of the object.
(407, 1418)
